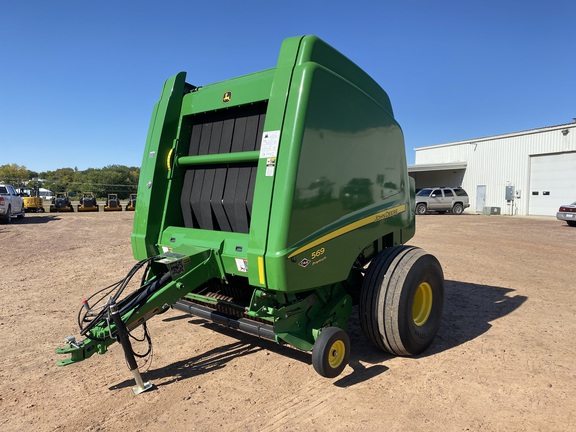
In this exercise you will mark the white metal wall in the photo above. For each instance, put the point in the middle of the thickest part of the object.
(500, 161)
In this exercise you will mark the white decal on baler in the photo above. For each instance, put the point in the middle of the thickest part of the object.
(242, 265)
(270, 141)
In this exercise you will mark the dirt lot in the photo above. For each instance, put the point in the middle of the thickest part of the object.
(504, 358)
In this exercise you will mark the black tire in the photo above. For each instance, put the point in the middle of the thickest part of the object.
(421, 209)
(458, 209)
(571, 223)
(402, 300)
(8, 217)
(331, 352)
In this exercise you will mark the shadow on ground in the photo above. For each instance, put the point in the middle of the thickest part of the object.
(468, 311)
(216, 358)
(34, 218)
(209, 361)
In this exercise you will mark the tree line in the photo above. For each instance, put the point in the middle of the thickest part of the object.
(118, 179)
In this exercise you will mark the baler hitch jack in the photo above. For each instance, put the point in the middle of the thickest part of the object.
(122, 336)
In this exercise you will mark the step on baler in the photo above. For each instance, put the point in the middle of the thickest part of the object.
(274, 203)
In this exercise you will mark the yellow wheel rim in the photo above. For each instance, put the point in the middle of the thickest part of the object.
(336, 354)
(422, 305)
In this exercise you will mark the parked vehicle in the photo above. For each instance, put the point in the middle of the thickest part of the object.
(88, 203)
(442, 199)
(61, 203)
(131, 206)
(567, 213)
(31, 199)
(11, 204)
(112, 203)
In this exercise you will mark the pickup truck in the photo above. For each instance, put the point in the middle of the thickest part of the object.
(11, 204)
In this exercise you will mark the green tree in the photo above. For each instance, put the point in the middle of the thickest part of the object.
(60, 180)
(118, 179)
(14, 174)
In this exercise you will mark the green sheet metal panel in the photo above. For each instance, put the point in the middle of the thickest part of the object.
(153, 182)
(329, 175)
(341, 160)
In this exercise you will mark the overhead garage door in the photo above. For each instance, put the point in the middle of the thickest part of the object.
(552, 183)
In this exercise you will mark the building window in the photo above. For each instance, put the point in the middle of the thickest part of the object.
(546, 193)
(535, 193)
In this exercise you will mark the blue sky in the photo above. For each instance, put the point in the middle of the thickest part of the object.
(78, 79)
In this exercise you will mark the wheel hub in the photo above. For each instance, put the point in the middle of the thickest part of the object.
(422, 305)
(337, 352)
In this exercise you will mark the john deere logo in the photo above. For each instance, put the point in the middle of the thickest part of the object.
(227, 96)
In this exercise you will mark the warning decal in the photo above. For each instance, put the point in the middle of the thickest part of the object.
(270, 141)
(242, 265)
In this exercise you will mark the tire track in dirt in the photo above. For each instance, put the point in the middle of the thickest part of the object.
(308, 402)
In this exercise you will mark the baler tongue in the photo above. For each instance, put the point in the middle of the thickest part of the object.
(194, 264)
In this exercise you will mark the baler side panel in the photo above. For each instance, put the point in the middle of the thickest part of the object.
(314, 50)
(340, 138)
(364, 147)
(153, 182)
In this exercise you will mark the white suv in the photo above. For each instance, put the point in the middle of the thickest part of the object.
(11, 204)
(442, 199)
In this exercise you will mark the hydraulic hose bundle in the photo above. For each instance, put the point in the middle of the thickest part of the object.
(93, 313)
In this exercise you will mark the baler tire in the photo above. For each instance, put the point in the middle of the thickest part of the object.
(402, 300)
(331, 352)
(421, 209)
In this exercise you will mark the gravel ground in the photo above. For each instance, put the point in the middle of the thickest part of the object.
(503, 358)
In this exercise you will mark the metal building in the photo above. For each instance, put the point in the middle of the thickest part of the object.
(531, 172)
